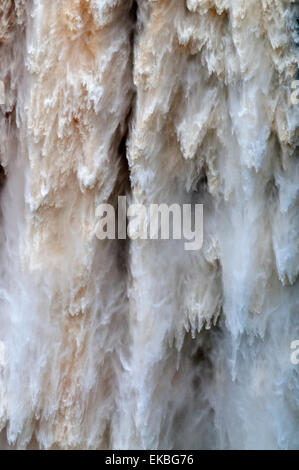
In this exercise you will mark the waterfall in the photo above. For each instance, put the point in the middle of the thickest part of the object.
(140, 344)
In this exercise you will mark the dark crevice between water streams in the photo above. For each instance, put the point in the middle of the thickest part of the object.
(123, 184)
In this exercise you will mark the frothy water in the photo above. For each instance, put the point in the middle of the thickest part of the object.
(125, 344)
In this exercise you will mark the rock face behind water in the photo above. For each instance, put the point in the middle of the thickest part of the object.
(141, 344)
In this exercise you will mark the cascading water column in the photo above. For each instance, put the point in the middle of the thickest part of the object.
(63, 298)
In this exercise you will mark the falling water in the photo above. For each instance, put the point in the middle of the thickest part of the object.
(124, 344)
